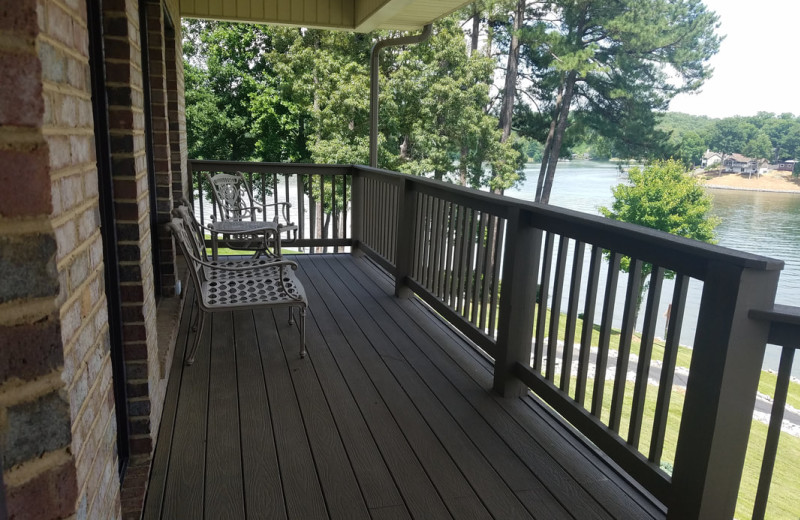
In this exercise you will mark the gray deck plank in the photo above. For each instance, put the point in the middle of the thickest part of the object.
(263, 489)
(185, 483)
(301, 487)
(414, 484)
(464, 399)
(397, 348)
(580, 464)
(224, 494)
(160, 465)
(391, 416)
(374, 478)
(616, 498)
(339, 485)
(444, 473)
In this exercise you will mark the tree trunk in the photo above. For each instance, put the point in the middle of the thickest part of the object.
(558, 137)
(548, 146)
(462, 166)
(510, 87)
(476, 27)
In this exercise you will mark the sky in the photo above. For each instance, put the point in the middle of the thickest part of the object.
(758, 65)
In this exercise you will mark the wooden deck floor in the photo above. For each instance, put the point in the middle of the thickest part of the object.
(389, 416)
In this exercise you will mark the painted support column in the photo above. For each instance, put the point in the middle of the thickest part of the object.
(406, 223)
(517, 302)
(721, 392)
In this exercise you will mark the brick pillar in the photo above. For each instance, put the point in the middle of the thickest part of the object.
(56, 398)
(162, 160)
(131, 201)
(176, 110)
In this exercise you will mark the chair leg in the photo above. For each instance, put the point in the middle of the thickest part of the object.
(302, 332)
(196, 317)
(190, 355)
(291, 315)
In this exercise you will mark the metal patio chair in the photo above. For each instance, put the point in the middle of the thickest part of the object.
(239, 285)
(242, 220)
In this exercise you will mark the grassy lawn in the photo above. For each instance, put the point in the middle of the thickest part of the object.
(783, 502)
(785, 490)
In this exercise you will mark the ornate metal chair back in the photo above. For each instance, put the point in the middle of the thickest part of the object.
(233, 196)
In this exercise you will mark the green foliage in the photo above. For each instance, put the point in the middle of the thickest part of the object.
(759, 147)
(662, 196)
(796, 169)
(691, 149)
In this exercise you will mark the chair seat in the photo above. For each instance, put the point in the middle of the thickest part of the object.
(254, 291)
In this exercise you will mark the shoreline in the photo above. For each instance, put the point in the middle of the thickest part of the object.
(795, 191)
(772, 182)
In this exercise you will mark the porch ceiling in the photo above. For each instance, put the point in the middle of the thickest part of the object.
(352, 15)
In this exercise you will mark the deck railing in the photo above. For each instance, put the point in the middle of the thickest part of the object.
(540, 290)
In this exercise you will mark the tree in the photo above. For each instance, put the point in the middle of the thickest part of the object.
(612, 59)
(759, 147)
(730, 135)
(662, 196)
(691, 149)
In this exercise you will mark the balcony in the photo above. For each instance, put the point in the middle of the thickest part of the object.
(451, 401)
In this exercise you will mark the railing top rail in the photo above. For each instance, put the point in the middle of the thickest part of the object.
(670, 251)
(786, 314)
(673, 252)
(270, 167)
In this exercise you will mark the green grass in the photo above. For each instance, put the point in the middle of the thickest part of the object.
(785, 489)
(783, 502)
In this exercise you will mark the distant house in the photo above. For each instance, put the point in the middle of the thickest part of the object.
(738, 163)
(711, 158)
(785, 166)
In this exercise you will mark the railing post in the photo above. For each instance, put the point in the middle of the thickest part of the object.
(721, 392)
(357, 211)
(517, 302)
(406, 223)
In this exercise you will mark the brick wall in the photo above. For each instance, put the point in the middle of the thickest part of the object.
(162, 161)
(145, 364)
(57, 410)
(56, 399)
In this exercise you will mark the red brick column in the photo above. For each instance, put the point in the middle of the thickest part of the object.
(58, 426)
(162, 160)
(131, 200)
(176, 109)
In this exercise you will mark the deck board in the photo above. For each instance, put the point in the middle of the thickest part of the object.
(391, 416)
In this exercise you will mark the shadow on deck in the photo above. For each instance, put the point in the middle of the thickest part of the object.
(390, 416)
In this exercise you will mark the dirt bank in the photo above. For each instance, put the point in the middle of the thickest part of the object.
(772, 181)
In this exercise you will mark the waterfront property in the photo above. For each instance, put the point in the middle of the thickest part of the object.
(427, 390)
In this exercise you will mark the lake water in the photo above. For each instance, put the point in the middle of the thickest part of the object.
(758, 222)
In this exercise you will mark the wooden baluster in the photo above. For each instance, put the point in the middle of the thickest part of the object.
(625, 339)
(572, 315)
(543, 295)
(407, 211)
(590, 306)
(555, 308)
(494, 302)
(477, 281)
(645, 355)
(671, 345)
(601, 362)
